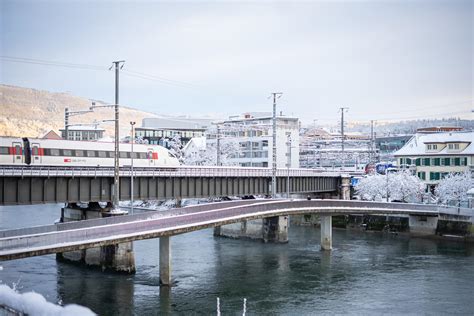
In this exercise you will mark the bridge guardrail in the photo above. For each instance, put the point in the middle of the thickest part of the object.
(182, 171)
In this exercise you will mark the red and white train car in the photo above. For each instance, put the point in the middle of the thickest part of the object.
(49, 152)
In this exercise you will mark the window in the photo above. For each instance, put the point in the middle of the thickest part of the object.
(434, 175)
(464, 161)
(408, 161)
(91, 153)
(102, 154)
(34, 151)
(79, 153)
(447, 161)
(426, 161)
(422, 175)
(124, 154)
(417, 161)
(435, 147)
(67, 152)
(457, 161)
(453, 146)
(3, 150)
(54, 152)
(436, 161)
(111, 154)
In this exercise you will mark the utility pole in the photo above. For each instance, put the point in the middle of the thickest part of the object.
(117, 136)
(276, 95)
(132, 140)
(288, 165)
(342, 135)
(218, 145)
(371, 141)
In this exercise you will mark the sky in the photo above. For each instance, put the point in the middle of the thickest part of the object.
(384, 60)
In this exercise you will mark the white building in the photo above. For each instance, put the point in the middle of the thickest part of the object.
(253, 132)
(432, 156)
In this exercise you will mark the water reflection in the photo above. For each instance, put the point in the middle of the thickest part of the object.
(104, 293)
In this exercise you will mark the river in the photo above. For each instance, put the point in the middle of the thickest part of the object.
(366, 273)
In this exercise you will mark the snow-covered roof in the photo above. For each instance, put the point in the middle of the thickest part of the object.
(196, 142)
(175, 123)
(417, 144)
(83, 128)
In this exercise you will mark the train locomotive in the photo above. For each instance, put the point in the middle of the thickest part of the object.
(68, 153)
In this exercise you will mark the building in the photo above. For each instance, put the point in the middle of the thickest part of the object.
(322, 149)
(388, 145)
(51, 135)
(160, 130)
(433, 155)
(83, 133)
(254, 133)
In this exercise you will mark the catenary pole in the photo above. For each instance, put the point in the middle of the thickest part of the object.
(276, 95)
(117, 136)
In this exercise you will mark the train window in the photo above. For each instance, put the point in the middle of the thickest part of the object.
(3, 150)
(144, 156)
(135, 155)
(91, 153)
(102, 154)
(67, 152)
(79, 153)
(34, 151)
(111, 154)
(124, 154)
(54, 152)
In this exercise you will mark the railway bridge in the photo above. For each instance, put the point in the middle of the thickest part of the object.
(35, 185)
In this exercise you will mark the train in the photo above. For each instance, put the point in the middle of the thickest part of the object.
(57, 152)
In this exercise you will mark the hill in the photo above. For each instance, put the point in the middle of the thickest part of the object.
(33, 113)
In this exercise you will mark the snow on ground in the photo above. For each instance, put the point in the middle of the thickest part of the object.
(31, 303)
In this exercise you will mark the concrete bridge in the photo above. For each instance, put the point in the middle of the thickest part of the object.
(35, 185)
(72, 236)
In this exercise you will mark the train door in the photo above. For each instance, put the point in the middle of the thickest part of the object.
(35, 154)
(17, 153)
(149, 157)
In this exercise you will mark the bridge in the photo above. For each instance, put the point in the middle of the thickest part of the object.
(35, 241)
(21, 185)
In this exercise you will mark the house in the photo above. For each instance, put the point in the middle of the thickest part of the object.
(434, 155)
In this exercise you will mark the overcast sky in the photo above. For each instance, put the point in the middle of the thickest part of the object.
(381, 59)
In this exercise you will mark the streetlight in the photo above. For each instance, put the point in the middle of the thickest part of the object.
(132, 139)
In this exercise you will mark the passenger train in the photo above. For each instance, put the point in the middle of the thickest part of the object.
(52, 152)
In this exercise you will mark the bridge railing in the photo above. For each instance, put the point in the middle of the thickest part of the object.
(181, 171)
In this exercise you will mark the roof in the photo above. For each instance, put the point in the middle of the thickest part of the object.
(84, 128)
(51, 135)
(416, 145)
(198, 142)
(175, 123)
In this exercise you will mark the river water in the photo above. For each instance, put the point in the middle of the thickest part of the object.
(366, 273)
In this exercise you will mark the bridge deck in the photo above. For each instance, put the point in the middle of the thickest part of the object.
(93, 233)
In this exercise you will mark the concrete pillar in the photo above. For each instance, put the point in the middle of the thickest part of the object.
(345, 193)
(326, 232)
(275, 229)
(117, 258)
(165, 261)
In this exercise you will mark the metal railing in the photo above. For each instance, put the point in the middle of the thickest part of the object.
(181, 171)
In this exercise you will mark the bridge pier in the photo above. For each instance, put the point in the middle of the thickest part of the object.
(165, 261)
(271, 229)
(326, 232)
(118, 257)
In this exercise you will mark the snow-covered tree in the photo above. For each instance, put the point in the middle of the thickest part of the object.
(208, 156)
(372, 188)
(454, 187)
(405, 187)
(401, 186)
(176, 147)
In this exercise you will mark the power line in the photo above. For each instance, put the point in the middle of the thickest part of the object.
(130, 73)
